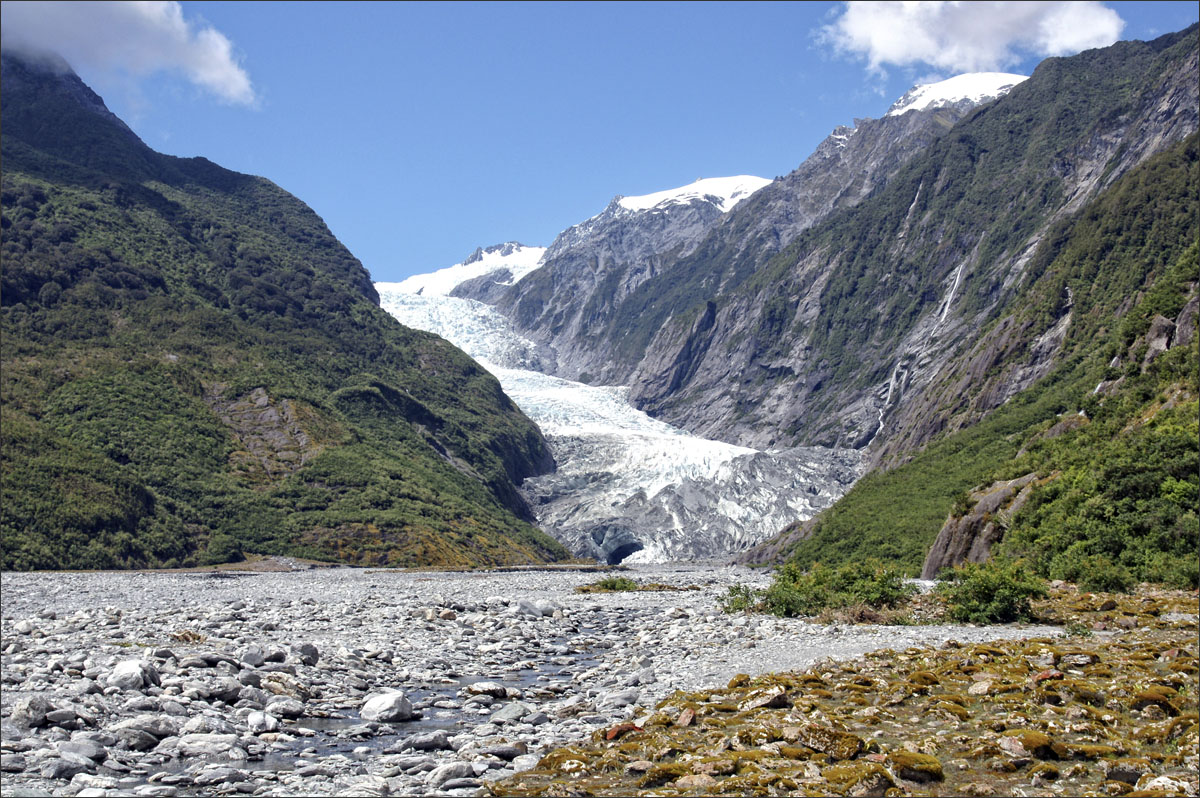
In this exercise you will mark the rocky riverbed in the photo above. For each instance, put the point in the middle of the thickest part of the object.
(367, 682)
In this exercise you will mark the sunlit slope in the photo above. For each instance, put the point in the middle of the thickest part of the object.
(194, 367)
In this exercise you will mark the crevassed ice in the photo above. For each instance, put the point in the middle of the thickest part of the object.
(630, 487)
(652, 453)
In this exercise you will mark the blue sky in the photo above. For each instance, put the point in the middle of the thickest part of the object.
(420, 131)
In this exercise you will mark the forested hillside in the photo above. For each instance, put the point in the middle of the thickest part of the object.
(194, 367)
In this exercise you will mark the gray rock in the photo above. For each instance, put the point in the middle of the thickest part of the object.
(511, 713)
(387, 708)
(30, 713)
(85, 748)
(451, 770)
(249, 678)
(621, 698)
(219, 775)
(307, 653)
(494, 689)
(505, 751)
(525, 762)
(367, 786)
(156, 725)
(132, 674)
(63, 768)
(261, 722)
(206, 745)
(283, 707)
(460, 784)
(62, 717)
(136, 740)
(252, 656)
(525, 607)
(12, 763)
(437, 740)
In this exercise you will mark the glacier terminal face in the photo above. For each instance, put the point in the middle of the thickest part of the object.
(628, 487)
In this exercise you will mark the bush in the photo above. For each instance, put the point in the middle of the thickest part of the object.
(796, 592)
(740, 598)
(999, 591)
(1096, 573)
(1177, 572)
(610, 584)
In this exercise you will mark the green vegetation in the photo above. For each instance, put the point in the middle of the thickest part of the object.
(195, 369)
(620, 584)
(795, 591)
(1117, 489)
(999, 591)
(610, 584)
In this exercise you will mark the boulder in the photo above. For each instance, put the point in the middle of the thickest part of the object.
(387, 708)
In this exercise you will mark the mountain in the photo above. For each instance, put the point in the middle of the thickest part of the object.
(501, 265)
(862, 331)
(194, 367)
(591, 267)
(607, 285)
(934, 289)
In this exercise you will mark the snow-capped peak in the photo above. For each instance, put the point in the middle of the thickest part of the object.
(518, 259)
(976, 87)
(728, 191)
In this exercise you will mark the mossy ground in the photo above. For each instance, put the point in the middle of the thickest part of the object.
(1109, 710)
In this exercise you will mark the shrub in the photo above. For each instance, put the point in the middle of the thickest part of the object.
(796, 592)
(740, 598)
(1104, 575)
(998, 591)
(1095, 573)
(610, 584)
(1178, 572)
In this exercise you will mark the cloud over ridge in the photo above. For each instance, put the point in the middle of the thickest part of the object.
(968, 37)
(137, 38)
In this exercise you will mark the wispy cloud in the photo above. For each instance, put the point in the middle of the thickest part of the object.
(968, 37)
(136, 38)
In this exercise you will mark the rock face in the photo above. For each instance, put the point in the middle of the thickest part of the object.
(579, 302)
(970, 537)
(795, 322)
(591, 268)
(868, 330)
(969, 533)
(272, 438)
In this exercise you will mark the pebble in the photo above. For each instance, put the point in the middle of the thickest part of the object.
(350, 681)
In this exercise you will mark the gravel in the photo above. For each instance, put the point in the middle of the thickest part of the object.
(360, 681)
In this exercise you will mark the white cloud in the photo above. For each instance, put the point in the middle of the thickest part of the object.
(968, 37)
(138, 38)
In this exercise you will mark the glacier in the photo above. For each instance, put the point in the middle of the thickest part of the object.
(628, 488)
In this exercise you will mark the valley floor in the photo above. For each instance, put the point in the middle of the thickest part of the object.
(173, 683)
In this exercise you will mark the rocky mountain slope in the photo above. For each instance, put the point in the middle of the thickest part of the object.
(195, 367)
(592, 267)
(851, 335)
(607, 285)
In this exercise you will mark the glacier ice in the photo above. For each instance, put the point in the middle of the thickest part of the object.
(629, 487)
